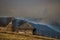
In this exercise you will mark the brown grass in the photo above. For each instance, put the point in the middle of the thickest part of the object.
(16, 36)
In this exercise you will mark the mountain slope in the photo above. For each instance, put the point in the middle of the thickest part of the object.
(41, 29)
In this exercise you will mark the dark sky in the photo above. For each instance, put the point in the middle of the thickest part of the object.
(46, 9)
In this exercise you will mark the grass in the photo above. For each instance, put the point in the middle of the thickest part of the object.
(16, 36)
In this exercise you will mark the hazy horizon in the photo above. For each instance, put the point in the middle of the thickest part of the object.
(49, 10)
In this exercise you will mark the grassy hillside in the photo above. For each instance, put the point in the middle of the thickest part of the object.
(16, 36)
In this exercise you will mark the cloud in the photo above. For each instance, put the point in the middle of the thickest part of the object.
(49, 10)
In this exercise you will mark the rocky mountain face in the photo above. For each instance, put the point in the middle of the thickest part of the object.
(41, 29)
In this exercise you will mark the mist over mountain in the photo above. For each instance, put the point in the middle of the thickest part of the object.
(48, 10)
(42, 11)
